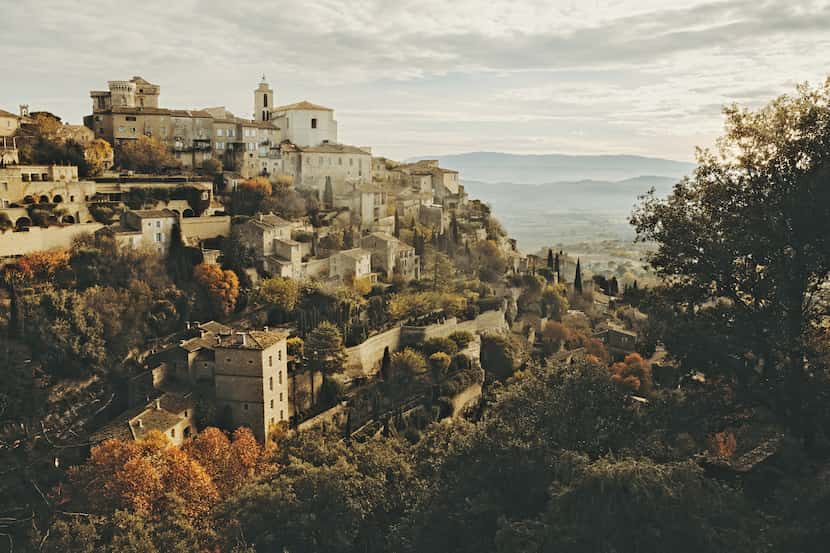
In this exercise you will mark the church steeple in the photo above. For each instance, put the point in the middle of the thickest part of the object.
(263, 101)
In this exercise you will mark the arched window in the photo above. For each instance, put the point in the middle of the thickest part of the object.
(265, 100)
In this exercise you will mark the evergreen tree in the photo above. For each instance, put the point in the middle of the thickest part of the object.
(16, 322)
(557, 267)
(385, 363)
(551, 261)
(578, 277)
(397, 228)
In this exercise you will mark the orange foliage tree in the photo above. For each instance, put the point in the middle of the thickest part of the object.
(135, 476)
(256, 185)
(229, 462)
(39, 266)
(632, 374)
(221, 286)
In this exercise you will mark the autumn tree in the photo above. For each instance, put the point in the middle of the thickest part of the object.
(98, 154)
(145, 154)
(249, 195)
(229, 462)
(555, 302)
(632, 374)
(221, 287)
(500, 354)
(554, 336)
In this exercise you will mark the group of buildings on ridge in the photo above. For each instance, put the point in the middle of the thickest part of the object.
(248, 369)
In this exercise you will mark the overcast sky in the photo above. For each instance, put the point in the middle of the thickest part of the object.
(433, 77)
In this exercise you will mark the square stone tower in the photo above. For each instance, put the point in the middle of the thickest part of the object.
(251, 379)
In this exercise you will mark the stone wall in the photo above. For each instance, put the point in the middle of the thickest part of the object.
(200, 228)
(464, 400)
(330, 418)
(364, 359)
(37, 238)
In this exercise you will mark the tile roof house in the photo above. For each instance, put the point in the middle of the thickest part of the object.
(172, 414)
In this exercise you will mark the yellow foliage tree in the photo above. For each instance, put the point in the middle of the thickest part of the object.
(98, 155)
(221, 286)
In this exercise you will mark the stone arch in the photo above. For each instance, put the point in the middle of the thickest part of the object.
(44, 199)
(188, 213)
(69, 219)
(176, 211)
(29, 200)
(57, 199)
(22, 223)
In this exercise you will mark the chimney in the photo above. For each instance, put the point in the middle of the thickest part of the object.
(138, 423)
(266, 329)
(218, 340)
(242, 337)
(158, 404)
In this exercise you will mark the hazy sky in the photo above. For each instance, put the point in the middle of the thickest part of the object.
(436, 76)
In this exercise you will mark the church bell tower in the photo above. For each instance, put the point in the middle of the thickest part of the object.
(263, 101)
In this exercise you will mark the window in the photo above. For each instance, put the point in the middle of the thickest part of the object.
(158, 237)
(244, 406)
(130, 118)
(271, 383)
(272, 404)
(282, 418)
(280, 396)
(270, 360)
(351, 161)
(265, 100)
(250, 361)
(219, 132)
(313, 122)
(279, 377)
(172, 432)
(158, 224)
(279, 355)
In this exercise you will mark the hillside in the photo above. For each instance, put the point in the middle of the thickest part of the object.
(538, 215)
(494, 167)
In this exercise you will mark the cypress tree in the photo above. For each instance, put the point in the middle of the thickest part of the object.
(397, 228)
(16, 324)
(385, 363)
(578, 277)
(557, 267)
(551, 263)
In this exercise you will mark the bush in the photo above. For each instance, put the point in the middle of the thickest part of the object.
(461, 338)
(435, 345)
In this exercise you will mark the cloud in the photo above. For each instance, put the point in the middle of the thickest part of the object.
(408, 77)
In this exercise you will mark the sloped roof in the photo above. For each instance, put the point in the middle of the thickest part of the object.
(4, 113)
(304, 105)
(254, 339)
(330, 148)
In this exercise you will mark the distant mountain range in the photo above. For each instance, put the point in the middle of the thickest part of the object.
(493, 167)
(547, 199)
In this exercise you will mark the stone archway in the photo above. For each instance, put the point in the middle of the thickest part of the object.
(22, 223)
(29, 200)
(188, 213)
(57, 199)
(69, 219)
(43, 199)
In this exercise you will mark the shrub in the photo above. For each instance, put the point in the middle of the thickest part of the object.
(435, 345)
(461, 338)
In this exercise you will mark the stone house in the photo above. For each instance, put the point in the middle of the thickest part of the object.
(331, 169)
(146, 228)
(306, 124)
(46, 184)
(9, 122)
(172, 414)
(619, 341)
(251, 379)
(391, 256)
(354, 263)
(260, 232)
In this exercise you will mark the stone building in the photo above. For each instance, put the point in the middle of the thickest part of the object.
(23, 185)
(353, 263)
(306, 124)
(172, 414)
(330, 169)
(150, 228)
(260, 232)
(251, 379)
(391, 256)
(9, 123)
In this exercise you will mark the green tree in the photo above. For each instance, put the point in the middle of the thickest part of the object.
(578, 278)
(146, 154)
(283, 293)
(743, 244)
(500, 355)
(324, 350)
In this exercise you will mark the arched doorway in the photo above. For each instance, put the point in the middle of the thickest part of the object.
(188, 213)
(28, 200)
(22, 223)
(57, 199)
(69, 219)
(43, 200)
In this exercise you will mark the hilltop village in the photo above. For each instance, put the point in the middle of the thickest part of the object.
(169, 274)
